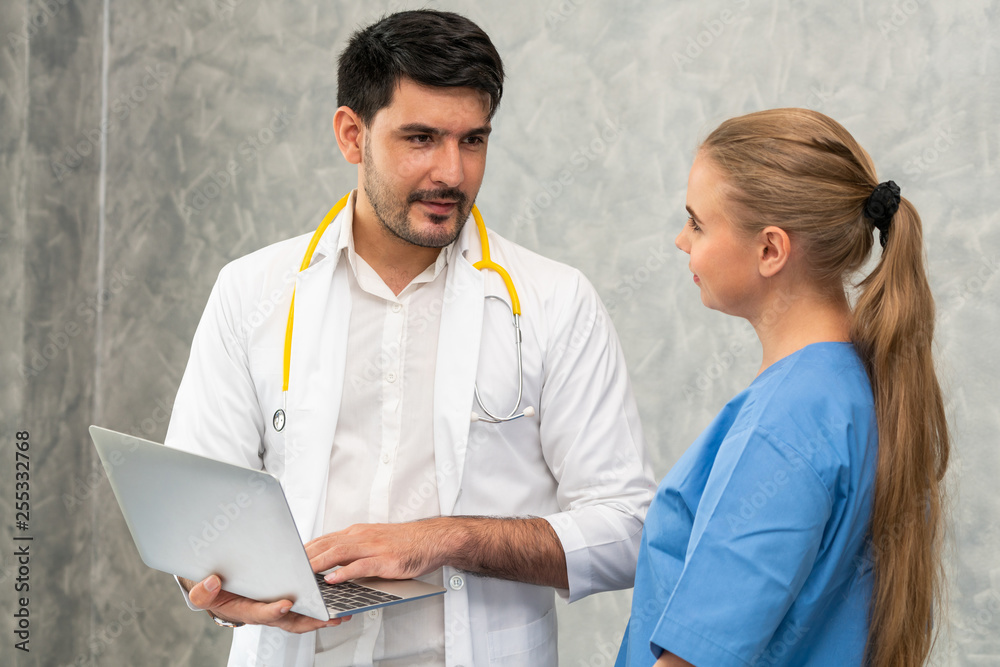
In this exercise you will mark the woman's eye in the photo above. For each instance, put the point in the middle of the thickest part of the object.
(693, 224)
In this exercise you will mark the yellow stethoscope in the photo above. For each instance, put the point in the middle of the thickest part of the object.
(486, 263)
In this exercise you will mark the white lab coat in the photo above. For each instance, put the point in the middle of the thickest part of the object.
(580, 462)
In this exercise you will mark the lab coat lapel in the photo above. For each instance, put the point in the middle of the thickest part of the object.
(319, 354)
(457, 361)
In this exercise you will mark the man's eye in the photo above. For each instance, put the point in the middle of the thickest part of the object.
(475, 141)
(420, 138)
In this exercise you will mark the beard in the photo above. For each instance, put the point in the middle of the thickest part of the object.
(393, 211)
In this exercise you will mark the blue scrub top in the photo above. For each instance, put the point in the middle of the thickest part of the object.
(754, 549)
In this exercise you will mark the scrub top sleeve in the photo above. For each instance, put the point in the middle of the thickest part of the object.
(593, 444)
(755, 538)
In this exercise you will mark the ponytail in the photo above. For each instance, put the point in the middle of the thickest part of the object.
(893, 331)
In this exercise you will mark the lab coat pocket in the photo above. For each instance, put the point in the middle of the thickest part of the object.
(531, 644)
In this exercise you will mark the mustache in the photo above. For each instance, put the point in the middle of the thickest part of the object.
(450, 194)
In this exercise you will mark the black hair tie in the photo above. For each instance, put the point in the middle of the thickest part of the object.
(881, 205)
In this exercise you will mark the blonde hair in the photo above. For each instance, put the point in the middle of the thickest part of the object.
(803, 172)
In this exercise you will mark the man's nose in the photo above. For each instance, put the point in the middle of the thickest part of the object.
(448, 168)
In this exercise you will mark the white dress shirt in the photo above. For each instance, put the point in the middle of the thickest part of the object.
(382, 465)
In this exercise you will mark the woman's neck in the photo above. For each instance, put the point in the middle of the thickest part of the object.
(793, 317)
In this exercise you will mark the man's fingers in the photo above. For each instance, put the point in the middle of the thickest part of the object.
(327, 555)
(299, 624)
(261, 613)
(316, 547)
(293, 622)
(366, 567)
(239, 608)
(204, 593)
(327, 542)
(208, 594)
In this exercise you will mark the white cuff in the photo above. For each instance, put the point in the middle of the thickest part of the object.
(578, 565)
(601, 546)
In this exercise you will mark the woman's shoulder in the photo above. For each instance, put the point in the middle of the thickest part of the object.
(818, 402)
(822, 375)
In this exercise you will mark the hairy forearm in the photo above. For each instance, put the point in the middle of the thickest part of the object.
(525, 550)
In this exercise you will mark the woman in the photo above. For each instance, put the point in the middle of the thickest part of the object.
(803, 526)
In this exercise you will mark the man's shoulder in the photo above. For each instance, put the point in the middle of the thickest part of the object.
(265, 275)
(554, 274)
(280, 252)
(554, 296)
(275, 262)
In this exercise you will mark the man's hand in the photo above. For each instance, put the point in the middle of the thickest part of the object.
(388, 550)
(208, 595)
(525, 550)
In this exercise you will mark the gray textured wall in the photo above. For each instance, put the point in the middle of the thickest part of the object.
(116, 115)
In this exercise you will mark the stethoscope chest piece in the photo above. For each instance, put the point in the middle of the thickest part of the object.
(279, 419)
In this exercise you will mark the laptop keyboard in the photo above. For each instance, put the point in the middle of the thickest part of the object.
(349, 595)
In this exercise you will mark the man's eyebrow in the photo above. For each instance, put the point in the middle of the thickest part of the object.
(420, 128)
(484, 130)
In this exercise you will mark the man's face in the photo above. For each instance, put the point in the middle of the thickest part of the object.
(423, 161)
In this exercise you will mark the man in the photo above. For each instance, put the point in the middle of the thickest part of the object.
(395, 332)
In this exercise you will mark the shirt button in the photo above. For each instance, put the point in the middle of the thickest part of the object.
(373, 614)
(385, 458)
(391, 377)
(396, 307)
(456, 582)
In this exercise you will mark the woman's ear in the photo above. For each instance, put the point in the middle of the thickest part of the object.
(349, 129)
(774, 247)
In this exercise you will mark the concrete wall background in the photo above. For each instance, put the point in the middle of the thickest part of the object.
(116, 116)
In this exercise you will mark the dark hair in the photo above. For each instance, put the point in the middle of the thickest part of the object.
(432, 48)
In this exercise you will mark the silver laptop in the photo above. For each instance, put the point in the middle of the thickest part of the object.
(193, 516)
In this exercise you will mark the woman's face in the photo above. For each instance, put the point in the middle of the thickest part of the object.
(723, 260)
